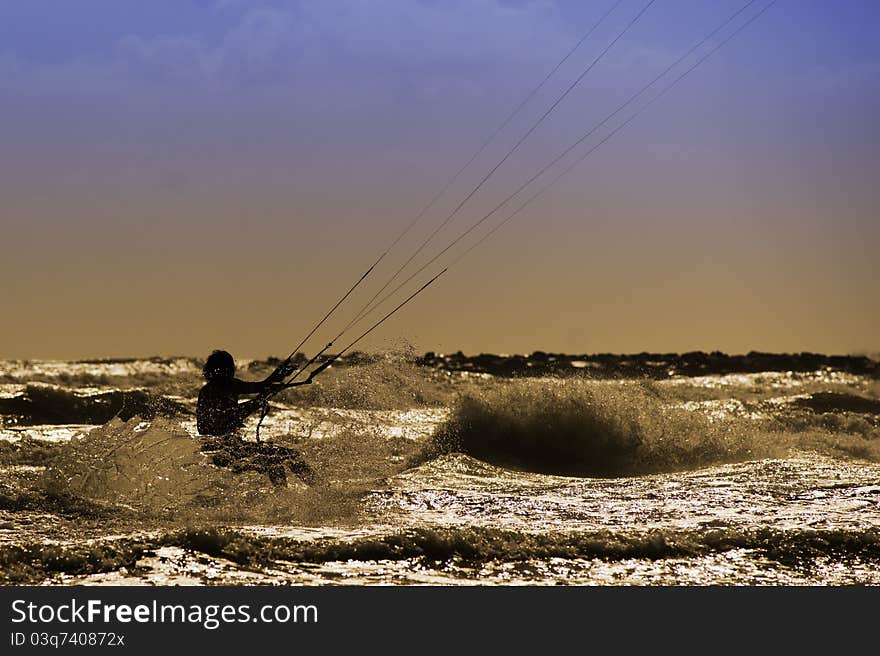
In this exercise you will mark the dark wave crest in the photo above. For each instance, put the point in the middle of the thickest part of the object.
(47, 404)
(463, 546)
(577, 428)
(486, 544)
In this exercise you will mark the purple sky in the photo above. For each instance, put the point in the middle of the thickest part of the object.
(182, 176)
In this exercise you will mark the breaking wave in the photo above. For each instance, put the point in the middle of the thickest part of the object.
(465, 546)
(154, 466)
(577, 428)
(389, 383)
(48, 404)
(486, 544)
(158, 469)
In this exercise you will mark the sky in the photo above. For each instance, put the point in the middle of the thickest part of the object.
(179, 176)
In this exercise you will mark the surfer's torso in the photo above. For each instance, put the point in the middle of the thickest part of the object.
(218, 411)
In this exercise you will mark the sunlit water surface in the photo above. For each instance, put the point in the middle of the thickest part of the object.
(803, 491)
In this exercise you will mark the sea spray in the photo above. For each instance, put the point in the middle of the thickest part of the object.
(147, 465)
(579, 428)
(387, 383)
(158, 469)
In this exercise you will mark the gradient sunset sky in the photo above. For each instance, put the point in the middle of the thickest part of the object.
(178, 176)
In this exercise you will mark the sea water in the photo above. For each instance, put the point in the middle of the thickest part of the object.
(438, 477)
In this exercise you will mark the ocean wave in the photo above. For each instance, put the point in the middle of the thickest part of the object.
(485, 544)
(158, 470)
(653, 365)
(463, 546)
(35, 562)
(580, 429)
(118, 372)
(387, 383)
(48, 404)
(831, 402)
(152, 466)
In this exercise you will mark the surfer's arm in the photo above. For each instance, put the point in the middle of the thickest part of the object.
(262, 387)
(281, 372)
(249, 387)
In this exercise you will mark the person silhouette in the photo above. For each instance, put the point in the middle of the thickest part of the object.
(220, 416)
(218, 410)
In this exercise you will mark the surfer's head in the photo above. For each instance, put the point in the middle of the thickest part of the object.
(219, 365)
